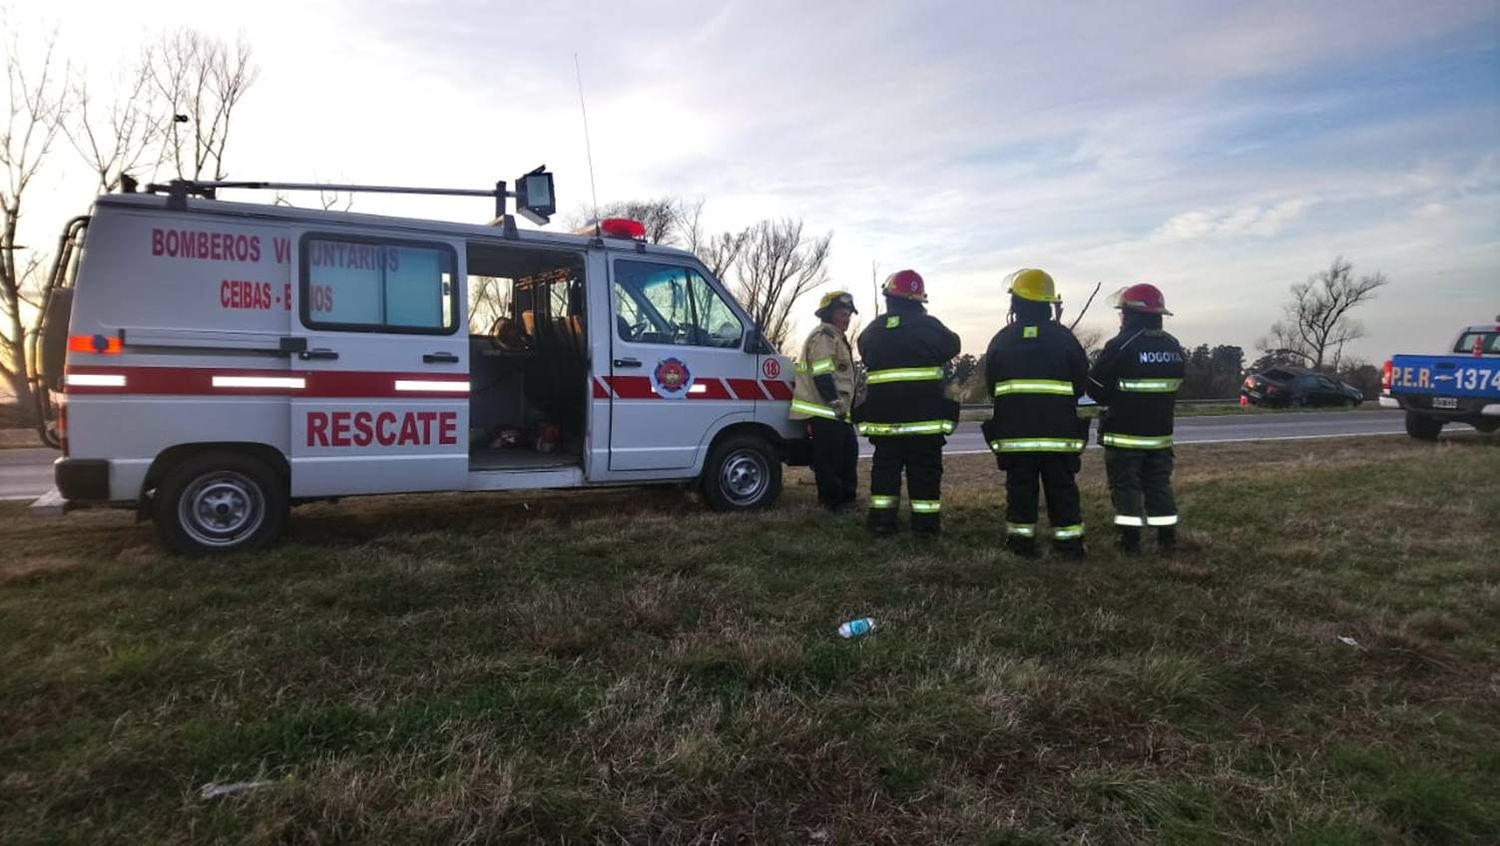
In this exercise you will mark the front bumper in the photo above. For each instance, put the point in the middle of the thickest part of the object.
(82, 479)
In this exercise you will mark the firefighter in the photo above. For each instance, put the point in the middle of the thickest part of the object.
(825, 395)
(1137, 377)
(906, 413)
(1037, 371)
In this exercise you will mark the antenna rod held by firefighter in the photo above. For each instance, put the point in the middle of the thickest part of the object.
(1074, 324)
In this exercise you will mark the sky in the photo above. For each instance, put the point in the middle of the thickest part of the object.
(1222, 151)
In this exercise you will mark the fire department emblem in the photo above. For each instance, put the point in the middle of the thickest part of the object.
(671, 378)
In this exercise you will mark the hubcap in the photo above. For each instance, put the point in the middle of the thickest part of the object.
(744, 477)
(221, 508)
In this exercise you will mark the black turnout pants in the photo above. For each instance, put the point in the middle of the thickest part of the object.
(1140, 483)
(1056, 474)
(922, 458)
(835, 460)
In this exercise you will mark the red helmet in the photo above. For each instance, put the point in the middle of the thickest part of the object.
(1143, 297)
(906, 284)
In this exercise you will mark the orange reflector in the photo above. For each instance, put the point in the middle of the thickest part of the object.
(94, 344)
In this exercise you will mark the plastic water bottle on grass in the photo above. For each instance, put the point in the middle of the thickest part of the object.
(855, 628)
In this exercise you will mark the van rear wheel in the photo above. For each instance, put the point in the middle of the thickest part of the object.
(743, 474)
(215, 503)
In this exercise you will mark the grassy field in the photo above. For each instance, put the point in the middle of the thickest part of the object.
(623, 667)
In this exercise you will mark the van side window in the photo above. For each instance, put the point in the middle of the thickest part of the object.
(671, 304)
(369, 285)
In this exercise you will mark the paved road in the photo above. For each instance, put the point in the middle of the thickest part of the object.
(1231, 428)
(27, 473)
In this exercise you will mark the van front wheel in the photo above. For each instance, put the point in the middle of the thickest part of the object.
(216, 503)
(743, 474)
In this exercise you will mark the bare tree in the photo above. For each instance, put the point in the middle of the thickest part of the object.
(1091, 338)
(332, 200)
(776, 267)
(663, 217)
(718, 252)
(202, 81)
(126, 135)
(489, 300)
(38, 109)
(722, 252)
(1317, 323)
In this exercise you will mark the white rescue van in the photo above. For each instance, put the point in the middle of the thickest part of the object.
(225, 361)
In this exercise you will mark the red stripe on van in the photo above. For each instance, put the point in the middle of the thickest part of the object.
(746, 389)
(778, 389)
(632, 387)
(713, 389)
(600, 392)
(199, 381)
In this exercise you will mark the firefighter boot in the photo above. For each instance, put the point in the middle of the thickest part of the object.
(1129, 540)
(1166, 539)
(1022, 546)
(1071, 549)
(881, 521)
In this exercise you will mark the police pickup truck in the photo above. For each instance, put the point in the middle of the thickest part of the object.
(1460, 387)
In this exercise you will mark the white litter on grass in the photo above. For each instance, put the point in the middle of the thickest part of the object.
(1348, 641)
(213, 791)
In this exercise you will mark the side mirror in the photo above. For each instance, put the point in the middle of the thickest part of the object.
(759, 345)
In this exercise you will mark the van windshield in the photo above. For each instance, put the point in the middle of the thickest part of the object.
(672, 304)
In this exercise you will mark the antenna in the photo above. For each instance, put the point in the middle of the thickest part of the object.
(587, 146)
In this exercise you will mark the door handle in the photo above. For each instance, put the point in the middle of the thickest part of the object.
(439, 358)
(320, 353)
(627, 362)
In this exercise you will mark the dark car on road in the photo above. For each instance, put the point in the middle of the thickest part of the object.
(1296, 386)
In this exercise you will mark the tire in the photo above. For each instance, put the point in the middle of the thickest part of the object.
(743, 473)
(1421, 427)
(216, 503)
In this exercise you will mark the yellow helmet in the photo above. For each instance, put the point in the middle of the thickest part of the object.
(833, 298)
(1028, 283)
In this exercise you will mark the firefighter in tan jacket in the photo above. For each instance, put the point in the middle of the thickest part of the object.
(826, 394)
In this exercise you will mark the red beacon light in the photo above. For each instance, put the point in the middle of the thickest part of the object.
(622, 227)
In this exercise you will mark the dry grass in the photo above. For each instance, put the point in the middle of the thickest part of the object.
(624, 667)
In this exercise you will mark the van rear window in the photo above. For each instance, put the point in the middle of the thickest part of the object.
(369, 285)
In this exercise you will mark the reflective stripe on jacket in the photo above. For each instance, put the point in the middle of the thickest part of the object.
(826, 384)
(1137, 377)
(1036, 372)
(904, 351)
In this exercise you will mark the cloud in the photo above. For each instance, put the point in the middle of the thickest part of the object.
(1226, 151)
(1260, 221)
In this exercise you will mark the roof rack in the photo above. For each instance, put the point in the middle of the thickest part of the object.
(535, 199)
